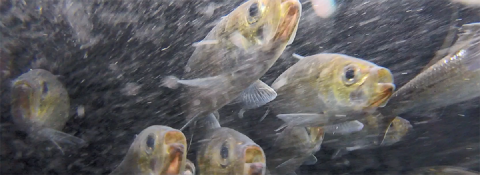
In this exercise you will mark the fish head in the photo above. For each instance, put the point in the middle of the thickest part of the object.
(262, 21)
(360, 84)
(398, 128)
(316, 137)
(37, 96)
(230, 152)
(159, 150)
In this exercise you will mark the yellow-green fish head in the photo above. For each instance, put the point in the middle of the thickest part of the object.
(316, 136)
(232, 153)
(159, 150)
(361, 84)
(40, 100)
(261, 21)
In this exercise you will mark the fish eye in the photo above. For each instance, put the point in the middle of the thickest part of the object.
(349, 74)
(224, 155)
(150, 142)
(253, 13)
(224, 151)
(253, 10)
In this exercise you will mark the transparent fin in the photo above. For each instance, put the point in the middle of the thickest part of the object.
(339, 153)
(205, 83)
(205, 42)
(256, 95)
(311, 160)
(297, 56)
(286, 164)
(344, 128)
(239, 40)
(208, 122)
(61, 137)
(303, 119)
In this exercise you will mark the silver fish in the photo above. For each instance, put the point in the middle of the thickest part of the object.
(456, 77)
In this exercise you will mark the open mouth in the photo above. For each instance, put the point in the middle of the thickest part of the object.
(22, 94)
(386, 91)
(289, 24)
(254, 161)
(385, 87)
(176, 149)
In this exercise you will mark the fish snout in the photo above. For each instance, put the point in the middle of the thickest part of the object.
(384, 75)
(384, 86)
(385, 91)
(287, 27)
(257, 168)
(176, 151)
(254, 161)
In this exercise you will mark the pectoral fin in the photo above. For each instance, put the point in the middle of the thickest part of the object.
(311, 160)
(344, 128)
(60, 138)
(208, 122)
(256, 95)
(303, 119)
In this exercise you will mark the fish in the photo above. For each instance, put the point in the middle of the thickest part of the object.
(442, 170)
(378, 131)
(455, 77)
(40, 107)
(294, 147)
(330, 88)
(225, 151)
(157, 149)
(189, 168)
(235, 54)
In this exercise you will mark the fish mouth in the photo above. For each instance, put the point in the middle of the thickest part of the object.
(175, 142)
(291, 17)
(384, 92)
(254, 161)
(22, 92)
(385, 87)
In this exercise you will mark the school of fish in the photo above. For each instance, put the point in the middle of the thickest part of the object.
(324, 100)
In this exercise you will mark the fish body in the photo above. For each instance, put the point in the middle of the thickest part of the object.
(378, 131)
(333, 88)
(224, 151)
(293, 147)
(40, 106)
(236, 53)
(456, 77)
(317, 92)
(442, 170)
(156, 150)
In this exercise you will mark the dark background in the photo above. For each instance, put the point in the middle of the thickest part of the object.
(112, 56)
